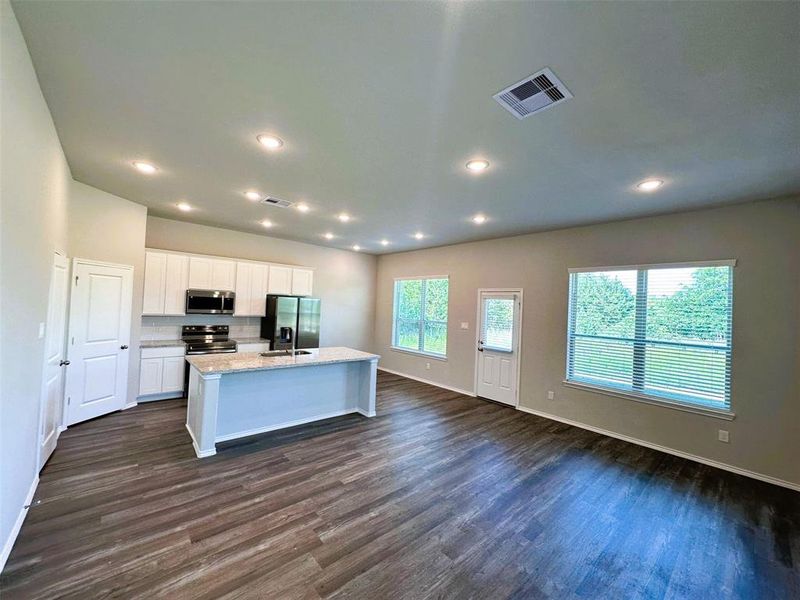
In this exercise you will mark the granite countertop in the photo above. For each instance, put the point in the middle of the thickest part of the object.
(181, 344)
(250, 340)
(161, 344)
(253, 361)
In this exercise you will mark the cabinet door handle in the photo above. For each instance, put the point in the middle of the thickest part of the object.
(123, 347)
(63, 363)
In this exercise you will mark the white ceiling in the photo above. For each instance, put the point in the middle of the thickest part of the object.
(381, 104)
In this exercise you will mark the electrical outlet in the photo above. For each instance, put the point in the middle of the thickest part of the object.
(428, 365)
(551, 395)
(464, 325)
(723, 436)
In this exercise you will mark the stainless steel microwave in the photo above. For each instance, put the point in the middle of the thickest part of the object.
(210, 302)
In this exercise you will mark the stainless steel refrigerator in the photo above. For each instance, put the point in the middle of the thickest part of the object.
(288, 318)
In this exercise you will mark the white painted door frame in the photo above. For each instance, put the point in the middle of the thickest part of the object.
(76, 376)
(518, 349)
(54, 367)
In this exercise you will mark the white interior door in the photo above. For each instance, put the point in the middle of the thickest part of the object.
(498, 346)
(99, 335)
(55, 360)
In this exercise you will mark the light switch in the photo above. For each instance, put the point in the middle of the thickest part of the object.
(723, 436)
(550, 395)
(464, 325)
(41, 330)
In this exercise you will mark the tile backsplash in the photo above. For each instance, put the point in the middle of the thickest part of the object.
(169, 328)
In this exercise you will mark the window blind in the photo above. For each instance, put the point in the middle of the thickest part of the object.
(662, 332)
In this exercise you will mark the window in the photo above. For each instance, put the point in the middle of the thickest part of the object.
(420, 315)
(661, 332)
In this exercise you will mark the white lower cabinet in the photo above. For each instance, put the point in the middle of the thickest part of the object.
(150, 375)
(161, 371)
(172, 376)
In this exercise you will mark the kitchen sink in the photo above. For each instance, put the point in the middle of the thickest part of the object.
(284, 353)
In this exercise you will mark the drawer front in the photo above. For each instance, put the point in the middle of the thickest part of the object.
(163, 352)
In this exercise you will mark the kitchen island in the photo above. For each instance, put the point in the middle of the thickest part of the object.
(243, 394)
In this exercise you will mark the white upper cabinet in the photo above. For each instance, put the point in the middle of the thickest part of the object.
(176, 285)
(165, 283)
(251, 289)
(244, 276)
(302, 280)
(168, 275)
(223, 275)
(155, 277)
(280, 280)
(200, 273)
(258, 290)
(207, 273)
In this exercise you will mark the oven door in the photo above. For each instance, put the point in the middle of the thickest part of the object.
(209, 302)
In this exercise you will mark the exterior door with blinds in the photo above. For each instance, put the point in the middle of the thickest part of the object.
(498, 346)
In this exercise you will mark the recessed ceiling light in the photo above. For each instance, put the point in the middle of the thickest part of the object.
(328, 236)
(477, 165)
(302, 207)
(479, 219)
(356, 247)
(384, 242)
(269, 141)
(252, 195)
(184, 206)
(266, 223)
(144, 167)
(649, 185)
(419, 235)
(343, 217)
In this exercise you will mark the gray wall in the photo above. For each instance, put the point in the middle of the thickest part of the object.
(108, 228)
(345, 281)
(764, 238)
(34, 187)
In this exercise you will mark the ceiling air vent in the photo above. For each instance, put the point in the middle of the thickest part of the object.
(272, 201)
(535, 93)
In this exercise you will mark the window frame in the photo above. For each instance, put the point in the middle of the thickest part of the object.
(422, 321)
(640, 341)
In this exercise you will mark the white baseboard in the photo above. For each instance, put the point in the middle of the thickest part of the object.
(129, 405)
(428, 381)
(366, 413)
(162, 396)
(197, 451)
(12, 535)
(666, 449)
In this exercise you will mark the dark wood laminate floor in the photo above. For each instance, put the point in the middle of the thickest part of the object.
(440, 496)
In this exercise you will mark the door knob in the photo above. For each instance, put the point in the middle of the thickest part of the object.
(123, 347)
(63, 363)
(480, 345)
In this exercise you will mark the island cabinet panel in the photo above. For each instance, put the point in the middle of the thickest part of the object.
(176, 284)
(302, 282)
(155, 277)
(243, 394)
(251, 289)
(280, 280)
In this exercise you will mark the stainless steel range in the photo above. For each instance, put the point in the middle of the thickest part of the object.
(207, 339)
